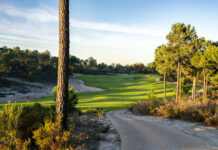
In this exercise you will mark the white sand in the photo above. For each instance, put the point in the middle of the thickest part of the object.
(44, 90)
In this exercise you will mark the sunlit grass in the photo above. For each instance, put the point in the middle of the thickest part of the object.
(121, 91)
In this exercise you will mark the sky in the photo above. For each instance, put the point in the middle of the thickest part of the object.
(111, 31)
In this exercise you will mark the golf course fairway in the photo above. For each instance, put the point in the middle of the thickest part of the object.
(120, 91)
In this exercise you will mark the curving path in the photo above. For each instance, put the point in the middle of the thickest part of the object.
(139, 134)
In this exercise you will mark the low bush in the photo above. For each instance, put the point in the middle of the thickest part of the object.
(186, 109)
(51, 136)
(32, 117)
(100, 112)
(9, 127)
(33, 126)
(148, 107)
(18, 123)
(152, 96)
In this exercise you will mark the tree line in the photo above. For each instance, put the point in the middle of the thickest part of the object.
(33, 65)
(189, 58)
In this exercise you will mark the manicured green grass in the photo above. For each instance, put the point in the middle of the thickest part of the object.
(121, 91)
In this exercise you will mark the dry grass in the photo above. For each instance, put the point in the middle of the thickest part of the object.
(198, 111)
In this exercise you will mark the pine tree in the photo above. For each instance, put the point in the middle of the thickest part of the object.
(179, 36)
(190, 70)
(206, 59)
(63, 61)
(163, 63)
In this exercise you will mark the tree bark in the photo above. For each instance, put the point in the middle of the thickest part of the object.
(194, 89)
(177, 88)
(164, 86)
(204, 85)
(206, 82)
(180, 82)
(63, 61)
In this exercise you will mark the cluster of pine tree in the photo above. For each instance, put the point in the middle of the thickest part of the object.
(188, 56)
(34, 65)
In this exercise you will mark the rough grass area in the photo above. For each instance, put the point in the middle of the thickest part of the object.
(121, 91)
(186, 109)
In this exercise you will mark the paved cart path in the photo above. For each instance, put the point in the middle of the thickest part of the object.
(138, 134)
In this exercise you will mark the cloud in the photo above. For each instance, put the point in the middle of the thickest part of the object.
(41, 14)
(46, 14)
(99, 26)
(39, 30)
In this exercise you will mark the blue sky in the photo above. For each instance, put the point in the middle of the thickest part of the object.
(120, 31)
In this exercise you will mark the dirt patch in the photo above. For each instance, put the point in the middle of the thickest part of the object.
(99, 138)
(111, 139)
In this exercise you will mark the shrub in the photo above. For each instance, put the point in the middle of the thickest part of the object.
(32, 117)
(9, 128)
(152, 96)
(100, 113)
(51, 136)
(147, 107)
(72, 98)
(205, 112)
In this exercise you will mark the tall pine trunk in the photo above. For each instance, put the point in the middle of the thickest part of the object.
(204, 85)
(164, 86)
(177, 88)
(180, 82)
(63, 61)
(194, 89)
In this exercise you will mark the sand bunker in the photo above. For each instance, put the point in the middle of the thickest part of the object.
(39, 90)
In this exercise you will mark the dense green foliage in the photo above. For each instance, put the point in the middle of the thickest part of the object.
(24, 120)
(51, 136)
(33, 127)
(9, 128)
(34, 65)
(191, 57)
(32, 117)
(31, 65)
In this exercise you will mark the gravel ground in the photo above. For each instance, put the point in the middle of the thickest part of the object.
(111, 139)
(94, 129)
